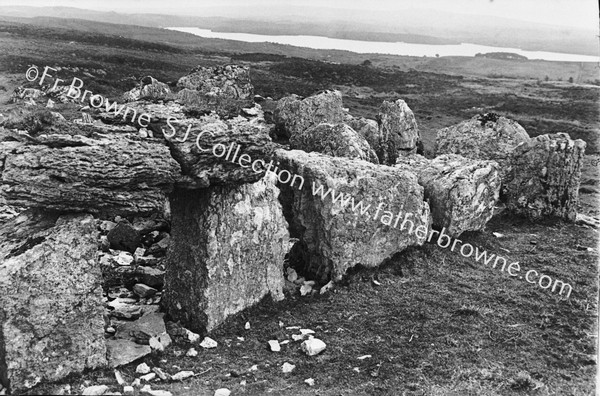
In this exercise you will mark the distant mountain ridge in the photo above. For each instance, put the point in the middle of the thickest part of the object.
(408, 26)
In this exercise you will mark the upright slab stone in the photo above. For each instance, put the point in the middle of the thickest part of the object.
(398, 131)
(461, 192)
(51, 308)
(228, 246)
(375, 211)
(545, 177)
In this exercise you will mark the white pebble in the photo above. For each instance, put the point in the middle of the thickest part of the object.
(274, 345)
(208, 343)
(313, 346)
(142, 368)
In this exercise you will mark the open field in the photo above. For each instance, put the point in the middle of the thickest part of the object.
(438, 323)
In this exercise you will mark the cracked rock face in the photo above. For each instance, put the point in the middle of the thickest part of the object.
(483, 137)
(337, 140)
(545, 177)
(99, 176)
(294, 115)
(398, 131)
(227, 252)
(51, 308)
(461, 192)
(336, 238)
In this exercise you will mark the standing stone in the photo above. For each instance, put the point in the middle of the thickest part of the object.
(293, 115)
(51, 322)
(461, 192)
(337, 140)
(484, 137)
(335, 237)
(227, 254)
(398, 131)
(545, 177)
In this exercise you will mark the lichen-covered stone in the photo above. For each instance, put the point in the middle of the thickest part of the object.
(398, 131)
(545, 177)
(223, 89)
(337, 140)
(336, 236)
(51, 322)
(294, 115)
(461, 192)
(484, 137)
(227, 252)
(231, 81)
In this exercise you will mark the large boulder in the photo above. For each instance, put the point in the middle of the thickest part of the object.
(211, 153)
(294, 115)
(224, 89)
(51, 322)
(349, 212)
(337, 140)
(231, 81)
(398, 131)
(227, 252)
(461, 192)
(545, 176)
(148, 88)
(78, 174)
(484, 137)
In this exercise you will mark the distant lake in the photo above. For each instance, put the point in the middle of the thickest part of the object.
(368, 47)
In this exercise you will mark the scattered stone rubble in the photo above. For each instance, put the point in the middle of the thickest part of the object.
(181, 230)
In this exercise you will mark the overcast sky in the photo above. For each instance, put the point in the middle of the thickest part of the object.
(574, 13)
